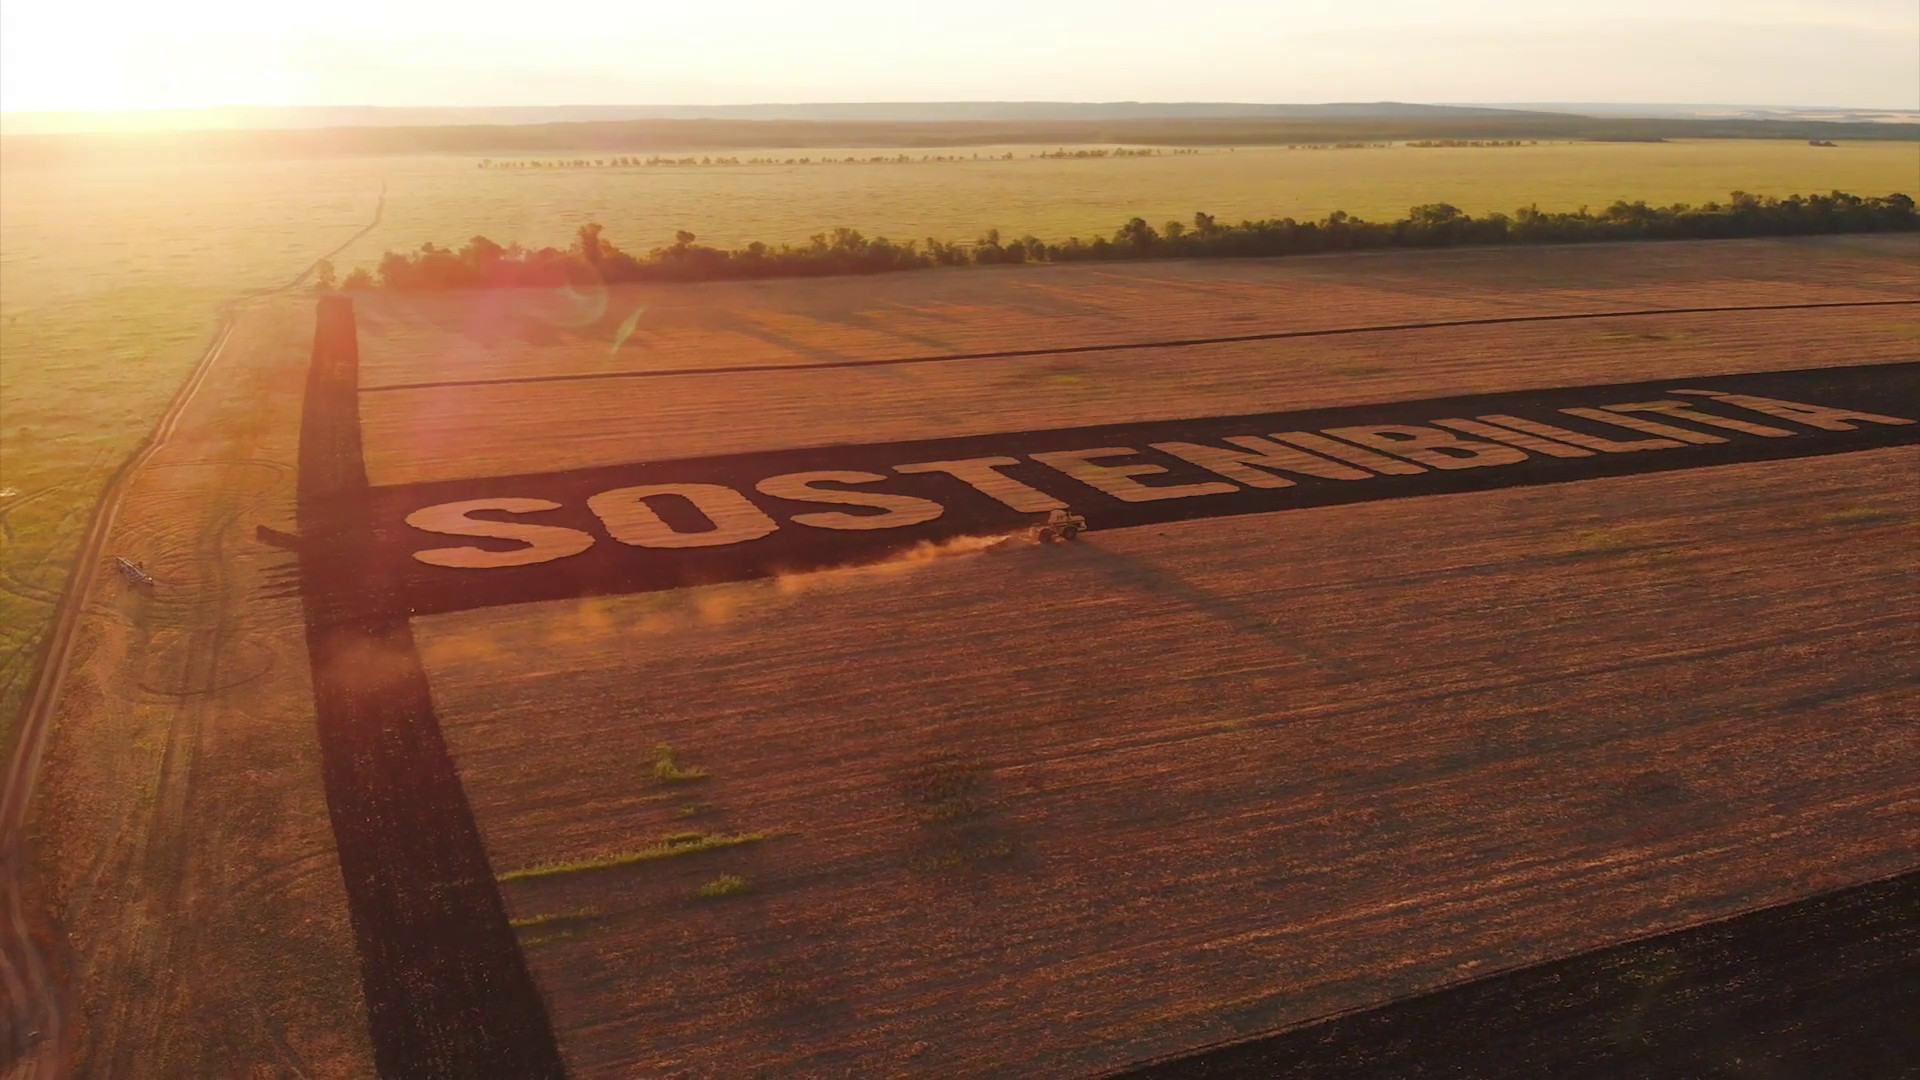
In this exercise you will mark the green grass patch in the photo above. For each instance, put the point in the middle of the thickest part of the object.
(668, 770)
(553, 917)
(1600, 543)
(724, 885)
(674, 844)
(1859, 515)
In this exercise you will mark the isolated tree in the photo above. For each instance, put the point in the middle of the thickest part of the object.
(589, 240)
(1434, 214)
(1137, 234)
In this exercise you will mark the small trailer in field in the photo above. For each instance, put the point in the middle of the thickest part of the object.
(135, 574)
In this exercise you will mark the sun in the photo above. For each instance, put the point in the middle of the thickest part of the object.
(60, 58)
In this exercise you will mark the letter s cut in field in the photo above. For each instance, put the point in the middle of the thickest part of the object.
(538, 543)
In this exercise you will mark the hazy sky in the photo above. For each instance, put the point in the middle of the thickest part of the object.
(80, 54)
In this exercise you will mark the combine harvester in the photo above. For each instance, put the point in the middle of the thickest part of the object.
(1060, 525)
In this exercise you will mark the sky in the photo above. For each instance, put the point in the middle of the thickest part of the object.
(88, 55)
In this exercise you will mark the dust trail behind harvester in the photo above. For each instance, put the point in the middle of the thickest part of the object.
(919, 555)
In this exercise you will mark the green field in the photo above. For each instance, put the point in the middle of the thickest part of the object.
(109, 273)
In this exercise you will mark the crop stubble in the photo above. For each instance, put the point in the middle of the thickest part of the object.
(1234, 774)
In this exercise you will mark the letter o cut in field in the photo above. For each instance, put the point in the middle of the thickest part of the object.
(628, 518)
(544, 543)
(901, 510)
(1430, 446)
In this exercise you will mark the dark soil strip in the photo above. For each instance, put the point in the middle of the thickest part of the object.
(608, 566)
(448, 993)
(1174, 343)
(1824, 987)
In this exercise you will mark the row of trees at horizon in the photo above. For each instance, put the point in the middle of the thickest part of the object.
(1426, 144)
(702, 160)
(483, 263)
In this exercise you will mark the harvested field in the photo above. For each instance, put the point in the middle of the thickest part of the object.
(520, 335)
(977, 808)
(1062, 809)
(457, 432)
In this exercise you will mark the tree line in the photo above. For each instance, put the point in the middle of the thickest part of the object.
(1452, 143)
(622, 161)
(482, 263)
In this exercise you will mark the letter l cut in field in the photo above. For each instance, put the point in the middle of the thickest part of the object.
(464, 544)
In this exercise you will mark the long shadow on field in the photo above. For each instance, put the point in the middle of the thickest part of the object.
(745, 325)
(1814, 988)
(1145, 576)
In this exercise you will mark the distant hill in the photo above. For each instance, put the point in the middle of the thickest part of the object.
(1719, 112)
(266, 118)
(681, 135)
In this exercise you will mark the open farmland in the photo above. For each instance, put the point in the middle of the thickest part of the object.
(1281, 746)
(110, 271)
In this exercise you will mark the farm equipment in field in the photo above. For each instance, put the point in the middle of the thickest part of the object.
(135, 574)
(1059, 525)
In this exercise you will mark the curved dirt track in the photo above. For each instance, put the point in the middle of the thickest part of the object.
(34, 1014)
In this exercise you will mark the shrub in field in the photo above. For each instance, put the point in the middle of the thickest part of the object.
(724, 885)
(482, 263)
(668, 770)
(667, 847)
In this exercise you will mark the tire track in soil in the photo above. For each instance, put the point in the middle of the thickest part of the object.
(165, 854)
(35, 1039)
(167, 849)
(10, 579)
